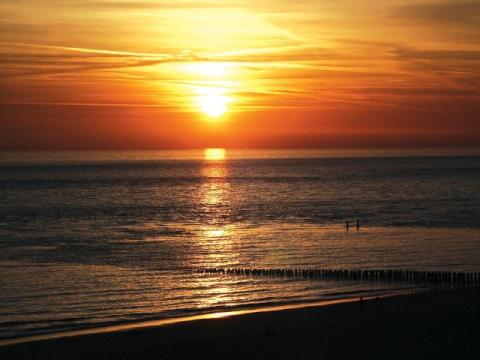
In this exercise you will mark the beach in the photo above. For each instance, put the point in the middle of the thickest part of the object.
(436, 324)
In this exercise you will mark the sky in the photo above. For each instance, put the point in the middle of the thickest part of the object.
(97, 74)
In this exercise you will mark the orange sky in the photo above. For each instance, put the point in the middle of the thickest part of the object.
(144, 74)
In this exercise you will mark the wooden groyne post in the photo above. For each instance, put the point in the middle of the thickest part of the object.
(465, 279)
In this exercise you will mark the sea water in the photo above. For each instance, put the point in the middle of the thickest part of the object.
(97, 238)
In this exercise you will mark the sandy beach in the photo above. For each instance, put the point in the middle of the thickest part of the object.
(439, 324)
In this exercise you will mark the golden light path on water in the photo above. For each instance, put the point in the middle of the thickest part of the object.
(214, 197)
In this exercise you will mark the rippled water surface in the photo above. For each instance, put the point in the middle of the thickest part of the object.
(88, 239)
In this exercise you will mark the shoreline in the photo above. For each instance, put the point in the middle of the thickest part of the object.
(152, 323)
(435, 322)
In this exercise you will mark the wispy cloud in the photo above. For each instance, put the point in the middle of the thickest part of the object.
(441, 12)
(437, 54)
(286, 54)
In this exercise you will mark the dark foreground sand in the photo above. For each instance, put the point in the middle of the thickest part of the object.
(436, 325)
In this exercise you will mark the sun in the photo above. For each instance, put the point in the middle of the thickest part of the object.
(212, 86)
(214, 105)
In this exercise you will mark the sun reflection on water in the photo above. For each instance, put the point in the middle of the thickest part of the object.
(214, 195)
(214, 154)
(215, 232)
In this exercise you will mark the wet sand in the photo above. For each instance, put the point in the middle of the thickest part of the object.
(434, 325)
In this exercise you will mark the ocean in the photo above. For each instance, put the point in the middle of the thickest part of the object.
(98, 238)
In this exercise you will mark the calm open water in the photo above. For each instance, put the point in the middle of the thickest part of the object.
(89, 239)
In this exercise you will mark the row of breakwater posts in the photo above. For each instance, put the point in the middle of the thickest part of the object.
(464, 279)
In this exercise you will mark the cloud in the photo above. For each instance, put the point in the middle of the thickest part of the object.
(455, 69)
(146, 5)
(265, 5)
(42, 59)
(445, 12)
(19, 59)
(440, 54)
